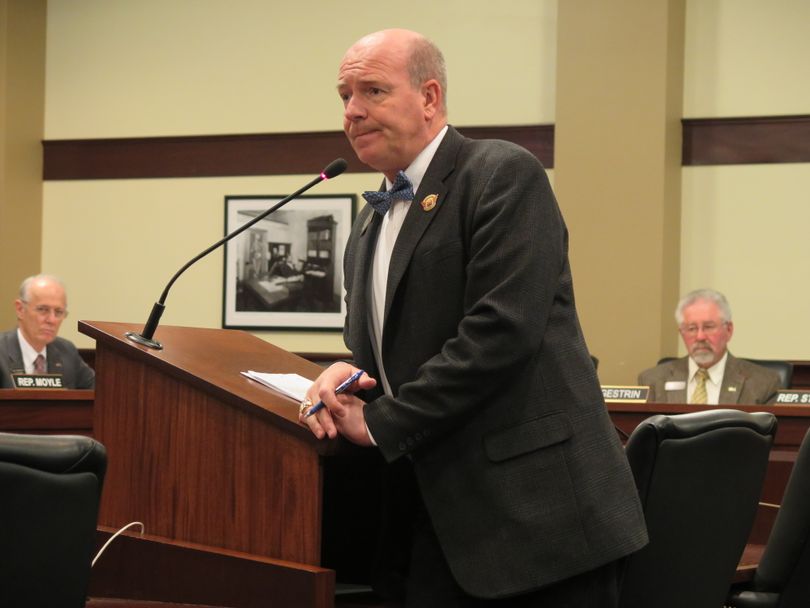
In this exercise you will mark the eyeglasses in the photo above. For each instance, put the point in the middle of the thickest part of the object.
(47, 311)
(707, 328)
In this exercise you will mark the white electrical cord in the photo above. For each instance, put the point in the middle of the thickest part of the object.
(112, 538)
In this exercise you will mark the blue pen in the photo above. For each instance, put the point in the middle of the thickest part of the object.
(340, 389)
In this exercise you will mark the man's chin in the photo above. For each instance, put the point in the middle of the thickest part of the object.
(364, 153)
(703, 358)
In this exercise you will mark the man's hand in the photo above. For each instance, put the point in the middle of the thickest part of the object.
(343, 413)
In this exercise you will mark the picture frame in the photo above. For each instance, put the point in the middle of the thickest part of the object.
(286, 271)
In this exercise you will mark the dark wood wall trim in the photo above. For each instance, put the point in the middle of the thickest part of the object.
(755, 140)
(195, 156)
(234, 155)
(706, 141)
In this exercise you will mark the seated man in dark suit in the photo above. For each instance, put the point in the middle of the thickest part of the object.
(710, 374)
(34, 348)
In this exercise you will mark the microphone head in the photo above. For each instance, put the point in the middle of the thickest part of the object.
(335, 168)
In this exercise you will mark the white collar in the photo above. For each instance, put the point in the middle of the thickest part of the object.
(416, 170)
(29, 353)
(716, 371)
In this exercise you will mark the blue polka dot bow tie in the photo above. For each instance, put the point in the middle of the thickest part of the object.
(402, 190)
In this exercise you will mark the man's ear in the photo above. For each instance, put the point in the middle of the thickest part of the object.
(18, 306)
(432, 96)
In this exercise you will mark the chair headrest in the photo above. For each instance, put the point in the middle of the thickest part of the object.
(54, 453)
(696, 423)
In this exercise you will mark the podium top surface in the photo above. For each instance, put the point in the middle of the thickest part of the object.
(212, 360)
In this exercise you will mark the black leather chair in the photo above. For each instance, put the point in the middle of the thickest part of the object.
(50, 487)
(663, 360)
(699, 477)
(782, 578)
(783, 368)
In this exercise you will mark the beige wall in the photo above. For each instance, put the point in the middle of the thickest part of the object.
(746, 58)
(22, 86)
(617, 172)
(180, 67)
(748, 238)
(743, 226)
(190, 67)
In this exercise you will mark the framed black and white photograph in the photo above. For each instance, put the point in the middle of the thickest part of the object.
(286, 271)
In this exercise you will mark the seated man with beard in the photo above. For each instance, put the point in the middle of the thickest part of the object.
(710, 374)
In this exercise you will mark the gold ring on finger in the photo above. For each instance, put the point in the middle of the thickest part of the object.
(305, 405)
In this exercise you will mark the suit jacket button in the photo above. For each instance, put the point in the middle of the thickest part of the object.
(402, 447)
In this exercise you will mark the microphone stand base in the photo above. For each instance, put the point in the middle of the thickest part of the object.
(131, 335)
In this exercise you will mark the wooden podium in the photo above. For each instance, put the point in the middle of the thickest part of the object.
(215, 465)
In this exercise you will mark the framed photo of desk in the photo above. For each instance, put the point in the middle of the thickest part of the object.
(286, 271)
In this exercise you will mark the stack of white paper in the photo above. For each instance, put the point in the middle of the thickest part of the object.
(291, 385)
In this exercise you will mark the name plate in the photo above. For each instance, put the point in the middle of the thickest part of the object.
(37, 380)
(625, 394)
(790, 397)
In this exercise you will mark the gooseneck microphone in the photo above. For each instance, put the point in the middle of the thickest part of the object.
(333, 169)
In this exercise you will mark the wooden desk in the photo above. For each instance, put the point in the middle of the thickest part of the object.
(66, 412)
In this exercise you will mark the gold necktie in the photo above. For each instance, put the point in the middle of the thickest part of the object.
(700, 396)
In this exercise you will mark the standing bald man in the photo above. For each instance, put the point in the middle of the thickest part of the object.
(479, 385)
(34, 347)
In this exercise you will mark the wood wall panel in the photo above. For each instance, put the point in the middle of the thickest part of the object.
(706, 141)
(234, 155)
(736, 141)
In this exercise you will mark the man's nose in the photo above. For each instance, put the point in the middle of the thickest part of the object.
(354, 109)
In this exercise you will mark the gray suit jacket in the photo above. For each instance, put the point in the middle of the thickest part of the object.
(63, 358)
(744, 383)
(496, 400)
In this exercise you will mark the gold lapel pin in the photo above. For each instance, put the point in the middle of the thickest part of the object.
(429, 202)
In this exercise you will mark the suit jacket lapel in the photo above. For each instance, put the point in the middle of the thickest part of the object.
(679, 373)
(360, 294)
(12, 347)
(733, 382)
(55, 365)
(418, 219)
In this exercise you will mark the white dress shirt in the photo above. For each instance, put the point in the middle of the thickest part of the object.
(713, 382)
(29, 354)
(389, 230)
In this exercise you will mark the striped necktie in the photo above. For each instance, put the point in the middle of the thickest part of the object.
(700, 396)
